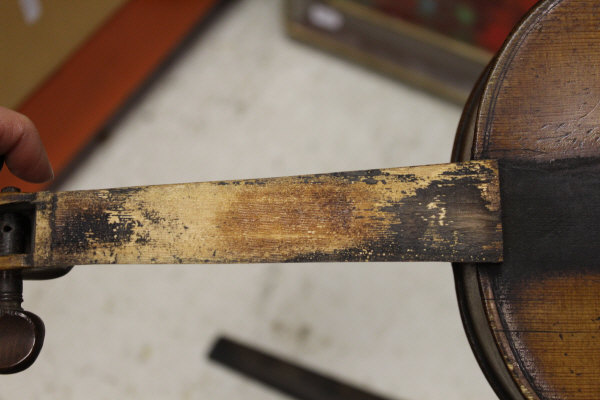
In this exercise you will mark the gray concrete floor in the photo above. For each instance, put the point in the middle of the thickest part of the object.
(245, 101)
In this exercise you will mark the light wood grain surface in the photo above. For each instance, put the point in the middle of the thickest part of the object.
(446, 212)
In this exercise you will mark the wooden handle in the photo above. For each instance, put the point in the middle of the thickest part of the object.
(448, 212)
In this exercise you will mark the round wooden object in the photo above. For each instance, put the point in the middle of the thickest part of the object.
(534, 324)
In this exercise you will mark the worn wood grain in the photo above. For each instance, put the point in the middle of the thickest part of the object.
(542, 303)
(439, 212)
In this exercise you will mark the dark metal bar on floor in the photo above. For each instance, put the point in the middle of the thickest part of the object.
(287, 377)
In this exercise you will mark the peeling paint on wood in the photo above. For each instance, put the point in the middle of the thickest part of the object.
(447, 212)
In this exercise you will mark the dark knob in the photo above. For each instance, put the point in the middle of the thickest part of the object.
(21, 332)
(21, 339)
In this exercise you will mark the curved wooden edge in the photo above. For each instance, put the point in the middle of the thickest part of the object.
(497, 73)
(484, 318)
(466, 280)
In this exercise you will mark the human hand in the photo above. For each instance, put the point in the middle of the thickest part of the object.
(22, 149)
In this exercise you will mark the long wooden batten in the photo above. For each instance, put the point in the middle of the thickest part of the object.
(448, 212)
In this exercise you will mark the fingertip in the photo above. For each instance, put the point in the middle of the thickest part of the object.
(43, 176)
(33, 167)
(24, 153)
(44, 172)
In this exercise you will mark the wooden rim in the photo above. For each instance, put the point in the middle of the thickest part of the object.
(493, 353)
(498, 72)
(466, 279)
